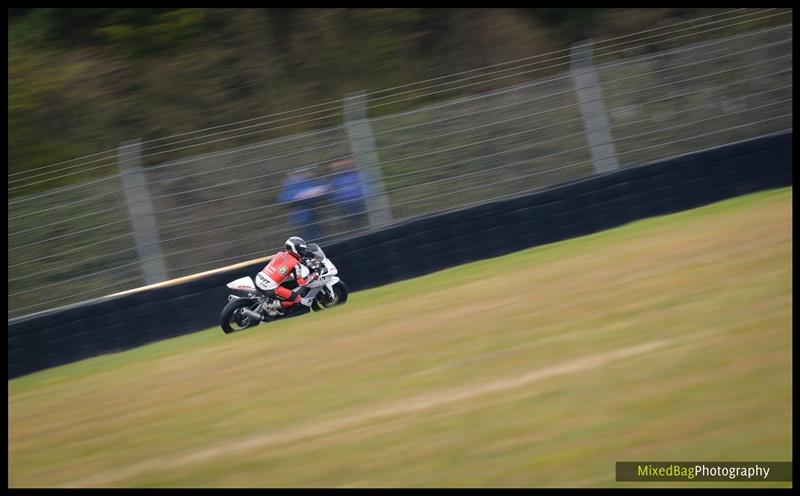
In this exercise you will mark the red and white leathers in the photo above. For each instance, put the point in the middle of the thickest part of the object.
(283, 267)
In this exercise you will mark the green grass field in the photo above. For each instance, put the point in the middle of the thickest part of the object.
(666, 339)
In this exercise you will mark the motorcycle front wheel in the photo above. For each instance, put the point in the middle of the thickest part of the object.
(324, 301)
(233, 320)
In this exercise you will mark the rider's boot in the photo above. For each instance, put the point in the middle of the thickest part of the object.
(291, 308)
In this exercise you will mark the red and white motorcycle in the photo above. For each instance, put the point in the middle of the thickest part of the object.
(247, 307)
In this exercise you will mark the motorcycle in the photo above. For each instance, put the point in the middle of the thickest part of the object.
(248, 307)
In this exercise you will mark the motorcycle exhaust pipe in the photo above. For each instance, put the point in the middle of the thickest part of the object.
(252, 314)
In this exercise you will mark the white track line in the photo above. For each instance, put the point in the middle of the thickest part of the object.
(404, 407)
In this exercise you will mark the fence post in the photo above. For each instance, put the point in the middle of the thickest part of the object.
(140, 209)
(590, 98)
(359, 132)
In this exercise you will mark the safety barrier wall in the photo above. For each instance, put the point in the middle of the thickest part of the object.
(416, 247)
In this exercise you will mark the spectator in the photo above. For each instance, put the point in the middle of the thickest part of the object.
(303, 194)
(349, 190)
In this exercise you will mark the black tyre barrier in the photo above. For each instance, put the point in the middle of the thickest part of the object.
(415, 247)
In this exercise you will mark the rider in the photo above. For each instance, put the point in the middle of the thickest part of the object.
(285, 266)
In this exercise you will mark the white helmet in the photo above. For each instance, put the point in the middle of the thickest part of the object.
(296, 245)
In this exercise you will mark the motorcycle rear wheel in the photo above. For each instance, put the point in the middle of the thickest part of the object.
(232, 320)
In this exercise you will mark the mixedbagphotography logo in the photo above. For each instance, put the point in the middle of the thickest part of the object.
(704, 471)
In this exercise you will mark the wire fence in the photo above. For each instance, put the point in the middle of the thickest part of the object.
(634, 41)
(76, 242)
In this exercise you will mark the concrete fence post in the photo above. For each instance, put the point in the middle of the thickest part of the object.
(140, 209)
(359, 132)
(590, 99)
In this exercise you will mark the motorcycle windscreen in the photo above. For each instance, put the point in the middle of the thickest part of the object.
(317, 251)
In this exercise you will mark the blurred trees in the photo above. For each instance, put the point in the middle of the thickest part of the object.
(82, 80)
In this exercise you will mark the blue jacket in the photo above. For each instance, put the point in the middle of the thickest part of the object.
(347, 186)
(300, 212)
